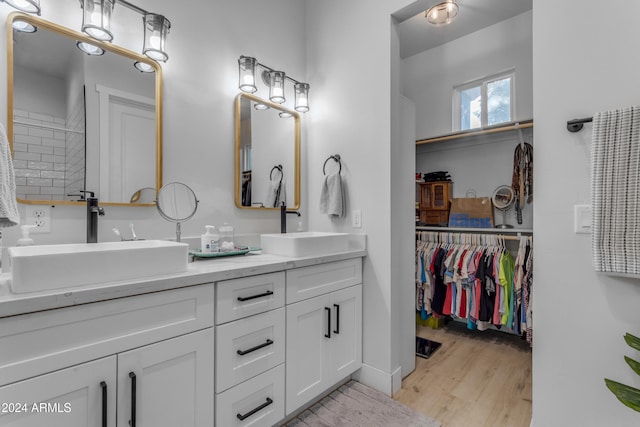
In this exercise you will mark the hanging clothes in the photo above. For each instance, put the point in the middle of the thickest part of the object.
(474, 278)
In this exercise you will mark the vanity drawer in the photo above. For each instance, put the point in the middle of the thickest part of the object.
(238, 298)
(259, 401)
(36, 343)
(260, 338)
(309, 282)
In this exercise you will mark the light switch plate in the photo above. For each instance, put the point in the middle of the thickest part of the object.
(582, 219)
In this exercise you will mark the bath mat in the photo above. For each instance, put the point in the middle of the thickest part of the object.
(425, 348)
(356, 405)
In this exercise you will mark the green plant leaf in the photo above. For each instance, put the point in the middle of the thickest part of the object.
(635, 365)
(629, 396)
(633, 341)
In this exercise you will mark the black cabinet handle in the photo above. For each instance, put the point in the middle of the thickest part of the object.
(253, 411)
(337, 330)
(132, 421)
(328, 334)
(266, 294)
(103, 386)
(252, 349)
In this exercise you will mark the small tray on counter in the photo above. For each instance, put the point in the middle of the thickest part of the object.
(238, 251)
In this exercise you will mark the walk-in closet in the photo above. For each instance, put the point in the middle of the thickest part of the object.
(472, 98)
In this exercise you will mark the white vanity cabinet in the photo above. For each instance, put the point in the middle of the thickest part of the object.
(87, 360)
(250, 356)
(324, 332)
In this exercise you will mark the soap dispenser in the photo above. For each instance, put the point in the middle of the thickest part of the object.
(210, 241)
(25, 240)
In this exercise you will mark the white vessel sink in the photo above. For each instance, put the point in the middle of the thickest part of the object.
(308, 243)
(47, 267)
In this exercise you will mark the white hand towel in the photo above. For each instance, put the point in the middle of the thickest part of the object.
(615, 191)
(9, 215)
(332, 197)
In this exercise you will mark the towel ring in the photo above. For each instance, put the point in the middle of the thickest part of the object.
(335, 157)
(279, 167)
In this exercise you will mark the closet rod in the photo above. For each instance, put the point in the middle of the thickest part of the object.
(499, 236)
(576, 125)
(467, 133)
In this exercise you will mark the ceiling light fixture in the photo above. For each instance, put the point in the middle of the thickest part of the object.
(442, 13)
(247, 66)
(28, 6)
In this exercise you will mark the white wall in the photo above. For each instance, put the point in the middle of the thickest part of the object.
(353, 60)
(200, 83)
(582, 63)
(431, 75)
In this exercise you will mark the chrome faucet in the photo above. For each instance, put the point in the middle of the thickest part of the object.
(283, 217)
(93, 210)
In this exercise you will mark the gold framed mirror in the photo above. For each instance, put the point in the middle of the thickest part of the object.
(79, 121)
(267, 154)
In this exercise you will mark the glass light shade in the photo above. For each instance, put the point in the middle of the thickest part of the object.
(301, 91)
(260, 106)
(96, 19)
(29, 6)
(276, 87)
(285, 115)
(247, 74)
(442, 13)
(24, 27)
(156, 28)
(144, 67)
(90, 49)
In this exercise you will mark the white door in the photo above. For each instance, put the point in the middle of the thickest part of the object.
(127, 144)
(80, 396)
(307, 331)
(168, 384)
(346, 335)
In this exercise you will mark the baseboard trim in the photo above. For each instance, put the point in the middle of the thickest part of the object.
(380, 380)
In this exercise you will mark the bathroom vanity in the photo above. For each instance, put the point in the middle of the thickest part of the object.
(238, 341)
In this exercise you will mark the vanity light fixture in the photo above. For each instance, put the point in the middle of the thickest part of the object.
(285, 115)
(156, 28)
(23, 26)
(260, 106)
(28, 6)
(96, 19)
(276, 86)
(96, 22)
(143, 67)
(90, 49)
(247, 74)
(247, 66)
(442, 13)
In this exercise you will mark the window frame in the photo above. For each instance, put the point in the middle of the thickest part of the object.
(482, 83)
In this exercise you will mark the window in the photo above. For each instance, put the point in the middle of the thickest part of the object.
(484, 102)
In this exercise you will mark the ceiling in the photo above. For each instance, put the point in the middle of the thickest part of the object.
(417, 35)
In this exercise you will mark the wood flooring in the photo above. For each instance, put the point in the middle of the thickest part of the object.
(479, 379)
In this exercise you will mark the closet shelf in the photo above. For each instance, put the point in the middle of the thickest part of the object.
(517, 231)
(524, 124)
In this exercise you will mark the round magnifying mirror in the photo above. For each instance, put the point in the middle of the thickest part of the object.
(177, 203)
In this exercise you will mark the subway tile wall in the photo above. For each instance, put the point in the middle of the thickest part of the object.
(40, 156)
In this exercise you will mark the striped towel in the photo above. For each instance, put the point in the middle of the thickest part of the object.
(615, 191)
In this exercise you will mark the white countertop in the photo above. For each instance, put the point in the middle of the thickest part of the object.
(199, 272)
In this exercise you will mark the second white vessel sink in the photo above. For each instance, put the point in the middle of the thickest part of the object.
(47, 267)
(308, 243)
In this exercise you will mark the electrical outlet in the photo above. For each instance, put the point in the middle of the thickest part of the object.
(356, 218)
(40, 216)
